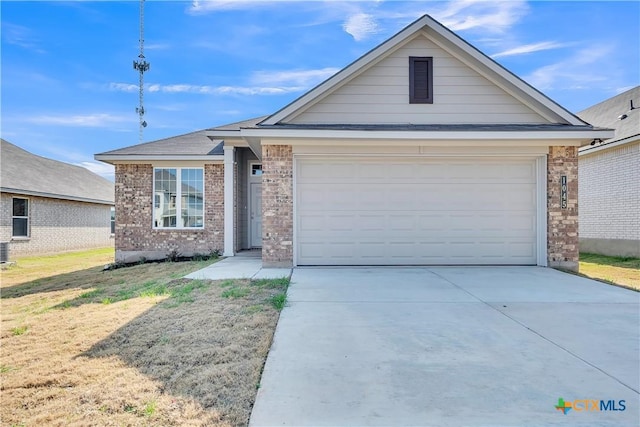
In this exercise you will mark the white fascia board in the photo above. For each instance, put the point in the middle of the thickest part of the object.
(588, 149)
(426, 135)
(222, 134)
(114, 158)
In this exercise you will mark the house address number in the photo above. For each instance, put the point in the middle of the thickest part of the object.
(563, 191)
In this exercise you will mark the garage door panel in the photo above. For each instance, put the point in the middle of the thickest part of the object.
(415, 211)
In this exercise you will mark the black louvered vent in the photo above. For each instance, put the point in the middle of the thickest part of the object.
(420, 80)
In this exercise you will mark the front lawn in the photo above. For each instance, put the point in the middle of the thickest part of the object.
(132, 346)
(617, 270)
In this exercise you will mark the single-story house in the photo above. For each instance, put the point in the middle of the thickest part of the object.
(423, 151)
(50, 206)
(609, 178)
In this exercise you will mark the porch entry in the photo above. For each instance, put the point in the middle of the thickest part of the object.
(255, 205)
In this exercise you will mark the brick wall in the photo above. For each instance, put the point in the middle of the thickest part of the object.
(57, 225)
(562, 224)
(277, 206)
(610, 193)
(135, 236)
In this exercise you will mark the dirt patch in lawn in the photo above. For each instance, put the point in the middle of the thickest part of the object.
(134, 346)
(615, 270)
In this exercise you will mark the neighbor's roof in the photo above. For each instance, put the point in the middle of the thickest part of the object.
(28, 174)
(607, 113)
(191, 146)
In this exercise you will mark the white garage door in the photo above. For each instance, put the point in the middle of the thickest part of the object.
(408, 211)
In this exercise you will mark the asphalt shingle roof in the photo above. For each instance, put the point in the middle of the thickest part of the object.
(26, 173)
(237, 125)
(606, 113)
(190, 144)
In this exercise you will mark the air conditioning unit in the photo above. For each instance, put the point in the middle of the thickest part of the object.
(4, 251)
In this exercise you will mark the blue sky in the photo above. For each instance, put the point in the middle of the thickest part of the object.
(68, 88)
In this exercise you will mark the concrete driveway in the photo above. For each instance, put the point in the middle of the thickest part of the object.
(451, 346)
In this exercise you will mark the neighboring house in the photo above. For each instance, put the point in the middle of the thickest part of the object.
(423, 151)
(50, 206)
(609, 178)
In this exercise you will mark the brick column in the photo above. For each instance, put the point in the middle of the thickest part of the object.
(562, 222)
(277, 206)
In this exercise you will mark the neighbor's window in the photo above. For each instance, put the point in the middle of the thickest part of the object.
(178, 198)
(20, 217)
(113, 220)
(420, 80)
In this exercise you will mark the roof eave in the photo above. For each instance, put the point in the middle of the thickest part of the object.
(140, 158)
(221, 134)
(587, 134)
(55, 196)
(590, 149)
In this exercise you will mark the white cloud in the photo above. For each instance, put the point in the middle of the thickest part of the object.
(123, 87)
(579, 71)
(262, 83)
(89, 120)
(99, 168)
(306, 78)
(490, 16)
(156, 46)
(360, 26)
(20, 36)
(529, 48)
(205, 6)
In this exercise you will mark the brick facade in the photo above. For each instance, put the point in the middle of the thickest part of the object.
(56, 225)
(610, 200)
(277, 206)
(562, 224)
(135, 236)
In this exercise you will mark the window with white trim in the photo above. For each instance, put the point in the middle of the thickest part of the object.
(20, 217)
(178, 198)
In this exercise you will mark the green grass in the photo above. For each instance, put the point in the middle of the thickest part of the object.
(183, 293)
(279, 301)
(92, 294)
(227, 283)
(622, 271)
(19, 330)
(281, 283)
(31, 269)
(150, 408)
(235, 293)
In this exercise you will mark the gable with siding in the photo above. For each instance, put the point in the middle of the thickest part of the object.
(380, 94)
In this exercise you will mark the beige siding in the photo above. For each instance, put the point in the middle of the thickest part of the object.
(381, 95)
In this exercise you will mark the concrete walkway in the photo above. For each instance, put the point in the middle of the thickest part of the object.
(239, 267)
(450, 346)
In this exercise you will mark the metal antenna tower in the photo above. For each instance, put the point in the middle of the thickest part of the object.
(141, 65)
